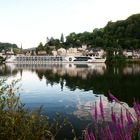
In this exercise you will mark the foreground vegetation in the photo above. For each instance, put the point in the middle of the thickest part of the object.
(16, 123)
(125, 126)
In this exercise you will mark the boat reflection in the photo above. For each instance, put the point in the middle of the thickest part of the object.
(121, 80)
(80, 70)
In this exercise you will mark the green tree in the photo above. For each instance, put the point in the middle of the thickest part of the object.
(7, 46)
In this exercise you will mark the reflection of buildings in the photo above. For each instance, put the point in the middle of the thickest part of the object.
(132, 69)
(81, 70)
(73, 70)
(7, 70)
(121, 80)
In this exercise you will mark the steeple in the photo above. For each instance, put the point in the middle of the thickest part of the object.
(21, 48)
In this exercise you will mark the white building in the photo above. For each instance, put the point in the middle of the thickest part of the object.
(11, 52)
(128, 53)
(61, 52)
(97, 52)
(54, 53)
(84, 46)
(136, 54)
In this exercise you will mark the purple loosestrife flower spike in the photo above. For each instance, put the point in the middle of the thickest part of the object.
(96, 114)
(102, 110)
(121, 118)
(113, 116)
(102, 137)
(128, 137)
(137, 109)
(115, 124)
(108, 132)
(92, 137)
(116, 100)
(121, 132)
(87, 137)
(113, 97)
(129, 119)
(96, 120)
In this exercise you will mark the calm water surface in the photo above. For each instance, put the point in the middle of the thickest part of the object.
(73, 89)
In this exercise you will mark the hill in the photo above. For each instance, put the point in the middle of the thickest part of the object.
(120, 34)
(7, 46)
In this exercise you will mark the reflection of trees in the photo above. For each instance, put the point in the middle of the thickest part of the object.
(124, 86)
(7, 71)
(122, 80)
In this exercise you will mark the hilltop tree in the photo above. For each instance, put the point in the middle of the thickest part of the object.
(40, 47)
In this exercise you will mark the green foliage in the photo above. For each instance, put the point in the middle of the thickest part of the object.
(40, 47)
(115, 55)
(7, 46)
(54, 42)
(123, 33)
(1, 59)
(16, 123)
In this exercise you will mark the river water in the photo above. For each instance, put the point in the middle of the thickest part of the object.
(72, 89)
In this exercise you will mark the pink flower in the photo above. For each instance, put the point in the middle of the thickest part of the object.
(96, 114)
(113, 97)
(102, 110)
(108, 132)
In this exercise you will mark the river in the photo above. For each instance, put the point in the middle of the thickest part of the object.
(72, 89)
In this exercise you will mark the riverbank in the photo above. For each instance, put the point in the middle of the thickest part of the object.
(133, 61)
(119, 60)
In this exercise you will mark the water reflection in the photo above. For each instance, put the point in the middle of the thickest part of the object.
(86, 108)
(72, 89)
(123, 80)
(6, 70)
(132, 69)
(81, 70)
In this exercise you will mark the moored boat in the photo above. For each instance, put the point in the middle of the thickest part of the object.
(54, 59)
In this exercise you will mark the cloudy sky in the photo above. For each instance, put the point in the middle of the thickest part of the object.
(31, 21)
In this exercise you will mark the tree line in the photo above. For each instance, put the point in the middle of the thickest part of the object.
(122, 34)
(8, 46)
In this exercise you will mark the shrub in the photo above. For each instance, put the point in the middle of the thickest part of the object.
(16, 123)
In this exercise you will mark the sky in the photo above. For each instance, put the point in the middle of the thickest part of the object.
(29, 22)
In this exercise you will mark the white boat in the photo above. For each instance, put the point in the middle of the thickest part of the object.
(53, 59)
